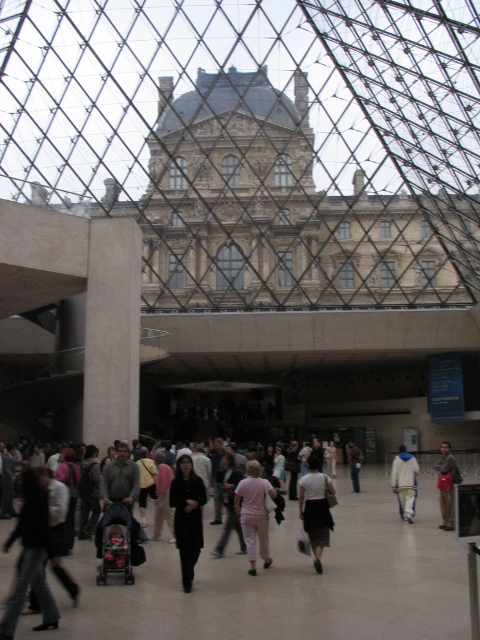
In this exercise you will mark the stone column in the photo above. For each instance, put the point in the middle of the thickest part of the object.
(112, 354)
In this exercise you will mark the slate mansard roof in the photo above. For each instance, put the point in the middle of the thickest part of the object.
(215, 93)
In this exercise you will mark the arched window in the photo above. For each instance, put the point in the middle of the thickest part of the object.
(231, 171)
(230, 265)
(283, 171)
(178, 173)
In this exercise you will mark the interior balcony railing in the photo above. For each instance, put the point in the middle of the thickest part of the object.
(154, 346)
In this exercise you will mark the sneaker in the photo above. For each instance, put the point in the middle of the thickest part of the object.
(215, 554)
(448, 529)
(216, 522)
(409, 520)
(441, 526)
(241, 553)
(172, 541)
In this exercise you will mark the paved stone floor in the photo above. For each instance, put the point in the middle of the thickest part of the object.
(383, 579)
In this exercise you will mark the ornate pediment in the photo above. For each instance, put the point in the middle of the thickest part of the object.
(228, 212)
(235, 123)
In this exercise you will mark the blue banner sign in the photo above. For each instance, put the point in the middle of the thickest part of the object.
(445, 387)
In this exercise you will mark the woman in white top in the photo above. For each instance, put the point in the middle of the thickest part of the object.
(331, 458)
(314, 510)
(279, 469)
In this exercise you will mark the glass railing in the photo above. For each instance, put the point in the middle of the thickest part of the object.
(154, 345)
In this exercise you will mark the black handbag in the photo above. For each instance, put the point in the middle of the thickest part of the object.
(291, 466)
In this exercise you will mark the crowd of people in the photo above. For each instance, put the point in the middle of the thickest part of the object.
(62, 490)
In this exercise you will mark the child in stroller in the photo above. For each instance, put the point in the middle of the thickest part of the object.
(116, 547)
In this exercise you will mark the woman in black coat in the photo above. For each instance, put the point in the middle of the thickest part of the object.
(187, 497)
(34, 530)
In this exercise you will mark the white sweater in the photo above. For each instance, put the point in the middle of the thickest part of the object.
(404, 472)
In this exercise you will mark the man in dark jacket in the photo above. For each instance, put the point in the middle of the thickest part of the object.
(8, 482)
(446, 466)
(353, 455)
(231, 479)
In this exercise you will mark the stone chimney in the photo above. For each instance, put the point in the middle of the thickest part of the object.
(301, 97)
(165, 94)
(359, 184)
(39, 195)
(112, 191)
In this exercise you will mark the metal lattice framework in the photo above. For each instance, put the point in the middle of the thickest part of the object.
(251, 205)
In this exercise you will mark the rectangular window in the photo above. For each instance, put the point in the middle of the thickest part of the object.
(285, 268)
(175, 271)
(385, 229)
(388, 274)
(425, 230)
(178, 174)
(177, 221)
(344, 231)
(428, 272)
(347, 277)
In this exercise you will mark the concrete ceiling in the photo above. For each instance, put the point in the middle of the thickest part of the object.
(43, 257)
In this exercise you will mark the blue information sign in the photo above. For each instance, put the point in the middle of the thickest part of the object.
(445, 386)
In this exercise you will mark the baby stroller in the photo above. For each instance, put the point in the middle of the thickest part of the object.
(117, 516)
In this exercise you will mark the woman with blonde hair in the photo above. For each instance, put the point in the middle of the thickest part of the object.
(250, 505)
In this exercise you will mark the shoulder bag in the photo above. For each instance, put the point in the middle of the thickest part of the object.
(269, 503)
(330, 497)
(445, 482)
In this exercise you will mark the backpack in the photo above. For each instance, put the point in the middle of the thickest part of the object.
(457, 476)
(86, 485)
(71, 481)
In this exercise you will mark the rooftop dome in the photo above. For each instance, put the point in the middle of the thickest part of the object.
(217, 92)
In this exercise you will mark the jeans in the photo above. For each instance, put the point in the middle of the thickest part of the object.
(354, 472)
(218, 500)
(30, 571)
(232, 524)
(89, 505)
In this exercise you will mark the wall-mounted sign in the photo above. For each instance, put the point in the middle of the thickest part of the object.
(445, 386)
